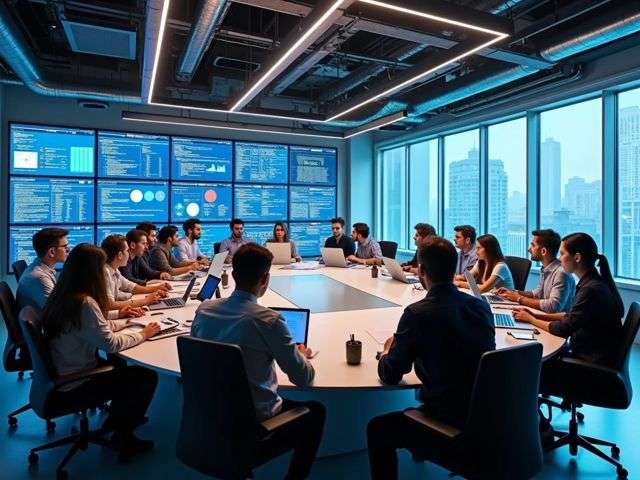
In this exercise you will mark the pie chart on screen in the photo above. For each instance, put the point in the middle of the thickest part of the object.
(210, 196)
(193, 209)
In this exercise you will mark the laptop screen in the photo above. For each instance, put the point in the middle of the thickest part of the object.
(297, 320)
(209, 288)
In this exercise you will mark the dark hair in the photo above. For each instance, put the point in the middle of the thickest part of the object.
(339, 220)
(493, 252)
(235, 221)
(250, 263)
(82, 276)
(362, 229)
(166, 233)
(438, 258)
(46, 238)
(424, 229)
(146, 227)
(467, 231)
(585, 245)
(135, 235)
(113, 244)
(190, 224)
(549, 239)
(286, 232)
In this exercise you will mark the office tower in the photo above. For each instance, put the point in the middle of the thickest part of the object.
(550, 177)
(629, 191)
(498, 188)
(464, 190)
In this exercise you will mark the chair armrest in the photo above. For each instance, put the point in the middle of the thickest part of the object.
(446, 431)
(283, 418)
(594, 367)
(81, 375)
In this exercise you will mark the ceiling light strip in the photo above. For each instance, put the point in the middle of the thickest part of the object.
(156, 60)
(381, 122)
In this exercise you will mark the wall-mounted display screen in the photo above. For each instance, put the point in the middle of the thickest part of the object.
(205, 201)
(258, 232)
(103, 231)
(212, 233)
(312, 203)
(310, 237)
(133, 155)
(260, 202)
(200, 159)
(313, 165)
(132, 202)
(261, 163)
(21, 247)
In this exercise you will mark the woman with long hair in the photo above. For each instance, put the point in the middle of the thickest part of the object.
(490, 271)
(281, 235)
(76, 323)
(593, 324)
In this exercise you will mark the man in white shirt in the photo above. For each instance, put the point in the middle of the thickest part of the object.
(119, 289)
(188, 248)
(36, 284)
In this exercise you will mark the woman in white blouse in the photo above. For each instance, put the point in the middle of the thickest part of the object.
(76, 323)
(281, 235)
(490, 271)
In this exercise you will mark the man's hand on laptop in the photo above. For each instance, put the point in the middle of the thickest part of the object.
(165, 276)
(523, 315)
(130, 312)
(153, 297)
(507, 294)
(150, 330)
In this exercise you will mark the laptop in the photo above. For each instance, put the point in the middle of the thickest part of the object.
(217, 262)
(281, 252)
(208, 289)
(175, 302)
(334, 257)
(396, 272)
(297, 320)
(490, 298)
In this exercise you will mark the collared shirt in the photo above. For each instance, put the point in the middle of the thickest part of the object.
(369, 248)
(35, 285)
(232, 244)
(466, 261)
(118, 287)
(556, 288)
(345, 242)
(592, 324)
(263, 336)
(188, 250)
(137, 270)
(442, 336)
(163, 260)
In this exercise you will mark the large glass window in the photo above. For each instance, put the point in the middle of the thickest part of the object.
(571, 169)
(629, 184)
(423, 185)
(507, 186)
(394, 196)
(461, 181)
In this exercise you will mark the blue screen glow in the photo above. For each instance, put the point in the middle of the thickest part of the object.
(103, 231)
(201, 159)
(313, 165)
(205, 201)
(211, 233)
(131, 202)
(309, 237)
(258, 232)
(260, 202)
(312, 203)
(133, 155)
(261, 163)
(21, 248)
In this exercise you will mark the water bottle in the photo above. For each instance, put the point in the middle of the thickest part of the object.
(225, 279)
(374, 271)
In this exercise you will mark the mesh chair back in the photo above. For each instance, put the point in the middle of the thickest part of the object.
(19, 266)
(216, 247)
(389, 249)
(520, 268)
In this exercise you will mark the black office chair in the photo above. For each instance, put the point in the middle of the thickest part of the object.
(592, 384)
(500, 439)
(219, 434)
(389, 249)
(44, 394)
(520, 268)
(19, 266)
(216, 248)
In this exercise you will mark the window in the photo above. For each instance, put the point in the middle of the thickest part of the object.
(629, 184)
(423, 185)
(571, 169)
(461, 181)
(394, 196)
(507, 185)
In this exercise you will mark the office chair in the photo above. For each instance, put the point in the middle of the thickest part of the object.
(216, 247)
(499, 439)
(44, 398)
(219, 434)
(520, 268)
(19, 266)
(389, 249)
(600, 386)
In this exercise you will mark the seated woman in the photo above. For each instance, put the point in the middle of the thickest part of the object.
(75, 325)
(490, 271)
(281, 235)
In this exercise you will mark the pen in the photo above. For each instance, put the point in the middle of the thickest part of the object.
(155, 313)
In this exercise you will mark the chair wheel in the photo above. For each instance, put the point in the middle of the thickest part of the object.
(580, 416)
(615, 452)
(573, 449)
(20, 375)
(622, 473)
(33, 458)
(13, 422)
(51, 426)
(61, 475)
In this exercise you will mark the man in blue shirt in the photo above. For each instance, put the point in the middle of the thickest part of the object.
(263, 336)
(368, 251)
(235, 241)
(465, 240)
(442, 337)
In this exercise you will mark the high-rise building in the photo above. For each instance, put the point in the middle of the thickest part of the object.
(550, 177)
(582, 198)
(498, 188)
(464, 190)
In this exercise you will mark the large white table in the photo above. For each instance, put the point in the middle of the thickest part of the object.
(352, 394)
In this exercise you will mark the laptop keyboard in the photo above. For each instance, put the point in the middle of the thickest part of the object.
(503, 320)
(494, 298)
(173, 302)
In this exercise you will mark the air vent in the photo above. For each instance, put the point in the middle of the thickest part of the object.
(235, 64)
(99, 40)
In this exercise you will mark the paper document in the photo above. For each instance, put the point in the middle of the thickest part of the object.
(312, 265)
(380, 336)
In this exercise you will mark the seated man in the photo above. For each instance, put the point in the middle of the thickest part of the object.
(557, 288)
(137, 270)
(37, 281)
(443, 337)
(235, 241)
(161, 257)
(152, 239)
(423, 231)
(465, 240)
(339, 239)
(119, 289)
(188, 248)
(264, 337)
(368, 251)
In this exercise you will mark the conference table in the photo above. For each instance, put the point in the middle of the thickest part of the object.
(343, 301)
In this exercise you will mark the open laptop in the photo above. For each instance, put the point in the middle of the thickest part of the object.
(175, 302)
(297, 320)
(490, 298)
(281, 252)
(396, 272)
(334, 257)
(208, 289)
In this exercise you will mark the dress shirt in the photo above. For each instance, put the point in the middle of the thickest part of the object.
(188, 250)
(442, 336)
(137, 270)
(163, 260)
(263, 336)
(118, 287)
(369, 248)
(556, 288)
(345, 242)
(232, 244)
(35, 285)
(466, 261)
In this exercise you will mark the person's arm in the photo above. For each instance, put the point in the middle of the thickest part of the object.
(351, 247)
(294, 251)
(127, 272)
(181, 253)
(149, 273)
(539, 320)
(398, 358)
(175, 264)
(488, 284)
(560, 291)
(162, 287)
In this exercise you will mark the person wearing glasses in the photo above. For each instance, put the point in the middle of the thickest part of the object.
(36, 284)
(338, 239)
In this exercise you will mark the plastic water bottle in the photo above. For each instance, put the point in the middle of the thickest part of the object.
(225, 279)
